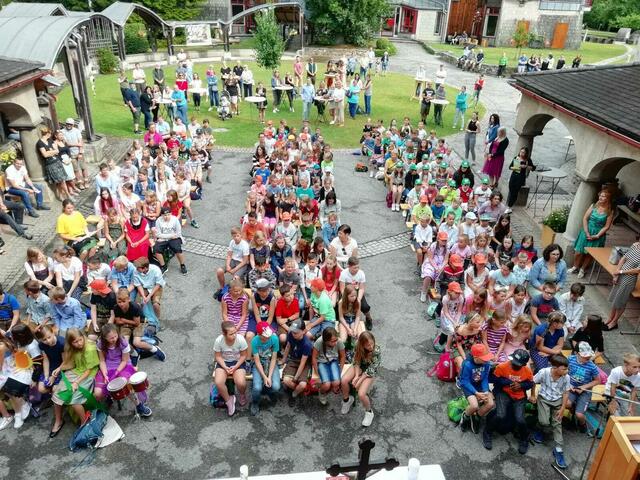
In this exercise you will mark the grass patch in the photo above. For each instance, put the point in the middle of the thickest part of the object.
(390, 100)
(591, 52)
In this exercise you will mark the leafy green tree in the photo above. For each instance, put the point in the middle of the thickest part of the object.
(521, 37)
(268, 40)
(357, 21)
(631, 21)
(606, 14)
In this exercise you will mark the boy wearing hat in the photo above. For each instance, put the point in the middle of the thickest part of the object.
(552, 401)
(584, 376)
(102, 301)
(465, 192)
(474, 382)
(482, 192)
(168, 233)
(449, 192)
(511, 380)
(431, 190)
(323, 314)
(266, 376)
(422, 209)
(297, 353)
(411, 177)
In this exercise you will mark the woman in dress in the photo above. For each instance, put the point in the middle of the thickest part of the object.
(262, 106)
(550, 268)
(492, 130)
(53, 167)
(595, 224)
(495, 158)
(624, 281)
(137, 234)
(67, 163)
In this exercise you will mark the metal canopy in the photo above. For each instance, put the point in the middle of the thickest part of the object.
(119, 13)
(21, 9)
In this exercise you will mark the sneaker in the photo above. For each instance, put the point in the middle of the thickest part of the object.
(322, 397)
(18, 422)
(242, 399)
(423, 297)
(255, 409)
(194, 223)
(438, 348)
(572, 270)
(163, 268)
(42, 207)
(465, 421)
(523, 446)
(160, 355)
(143, 410)
(332, 122)
(475, 424)
(134, 360)
(538, 436)
(582, 427)
(458, 386)
(368, 418)
(25, 410)
(231, 405)
(559, 459)
(581, 273)
(5, 422)
(487, 440)
(346, 406)
(33, 213)
(183, 269)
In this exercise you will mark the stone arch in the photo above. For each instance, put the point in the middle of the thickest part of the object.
(16, 115)
(608, 168)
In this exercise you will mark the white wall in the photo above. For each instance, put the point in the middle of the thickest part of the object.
(425, 26)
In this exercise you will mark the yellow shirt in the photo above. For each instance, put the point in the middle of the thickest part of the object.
(73, 225)
(419, 211)
(449, 194)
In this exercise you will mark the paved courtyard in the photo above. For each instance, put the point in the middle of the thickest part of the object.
(196, 441)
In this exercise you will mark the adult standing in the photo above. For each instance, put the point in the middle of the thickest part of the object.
(441, 76)
(297, 72)
(520, 167)
(212, 85)
(233, 87)
(495, 158)
(624, 282)
(158, 76)
(425, 103)
(276, 83)
(364, 63)
(353, 95)
(133, 102)
(307, 94)
(595, 224)
(337, 98)
(502, 64)
(371, 54)
(368, 92)
(441, 94)
(73, 139)
(247, 81)
(471, 133)
(385, 63)
(492, 130)
(461, 107)
(550, 268)
(124, 84)
(21, 185)
(477, 88)
(237, 72)
(146, 104)
(180, 99)
(139, 78)
(312, 70)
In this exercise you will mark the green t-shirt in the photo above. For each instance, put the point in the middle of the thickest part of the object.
(87, 360)
(322, 305)
(419, 211)
(308, 232)
(502, 61)
(304, 191)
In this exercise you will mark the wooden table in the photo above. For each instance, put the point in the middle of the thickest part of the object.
(601, 258)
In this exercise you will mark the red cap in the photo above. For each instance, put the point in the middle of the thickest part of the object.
(456, 260)
(443, 236)
(100, 286)
(424, 198)
(454, 287)
(318, 284)
(481, 352)
(264, 329)
(480, 258)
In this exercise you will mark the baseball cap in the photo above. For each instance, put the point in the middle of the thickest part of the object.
(413, 166)
(318, 284)
(481, 352)
(100, 286)
(519, 358)
(464, 164)
(264, 330)
(424, 198)
(418, 182)
(456, 260)
(444, 164)
(69, 121)
(432, 181)
(443, 236)
(297, 326)
(485, 180)
(199, 131)
(164, 210)
(399, 165)
(426, 166)
(454, 287)
(262, 283)
(486, 217)
(466, 181)
(480, 258)
(585, 350)
(285, 216)
(471, 216)
(425, 156)
(452, 183)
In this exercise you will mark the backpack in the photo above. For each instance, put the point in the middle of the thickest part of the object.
(455, 408)
(444, 370)
(215, 399)
(361, 167)
(88, 434)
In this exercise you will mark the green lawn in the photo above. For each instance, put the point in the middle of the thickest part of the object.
(390, 100)
(591, 52)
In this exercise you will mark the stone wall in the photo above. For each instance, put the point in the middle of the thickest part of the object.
(426, 25)
(541, 22)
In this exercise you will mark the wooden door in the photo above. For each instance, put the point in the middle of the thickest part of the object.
(560, 35)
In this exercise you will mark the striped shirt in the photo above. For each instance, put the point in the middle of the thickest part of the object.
(495, 337)
(234, 310)
(550, 389)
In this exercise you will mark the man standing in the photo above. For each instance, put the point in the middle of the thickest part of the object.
(307, 94)
(502, 65)
(425, 105)
(21, 185)
(133, 102)
(372, 57)
(312, 69)
(237, 71)
(158, 77)
(139, 78)
(73, 139)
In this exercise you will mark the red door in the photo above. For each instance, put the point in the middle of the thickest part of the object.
(410, 20)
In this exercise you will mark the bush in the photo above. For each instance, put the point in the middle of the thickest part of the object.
(384, 45)
(107, 61)
(557, 220)
(135, 38)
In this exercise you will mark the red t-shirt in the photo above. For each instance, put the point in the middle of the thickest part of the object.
(285, 311)
(182, 85)
(329, 277)
(175, 209)
(506, 370)
(464, 196)
(173, 143)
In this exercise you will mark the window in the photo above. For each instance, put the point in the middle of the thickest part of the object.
(561, 5)
(438, 25)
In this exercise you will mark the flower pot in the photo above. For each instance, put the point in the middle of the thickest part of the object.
(548, 236)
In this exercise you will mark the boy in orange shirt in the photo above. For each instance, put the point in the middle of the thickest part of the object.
(511, 380)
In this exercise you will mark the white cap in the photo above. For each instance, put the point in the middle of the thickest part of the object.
(585, 350)
(471, 216)
(70, 121)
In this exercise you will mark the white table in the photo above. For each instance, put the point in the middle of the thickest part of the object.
(427, 472)
(443, 103)
(553, 176)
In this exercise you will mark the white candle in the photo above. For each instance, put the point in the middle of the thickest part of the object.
(413, 468)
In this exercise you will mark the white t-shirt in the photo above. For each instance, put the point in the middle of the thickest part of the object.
(103, 272)
(355, 280)
(624, 383)
(343, 252)
(16, 176)
(230, 353)
(72, 136)
(238, 250)
(22, 375)
(68, 273)
(423, 235)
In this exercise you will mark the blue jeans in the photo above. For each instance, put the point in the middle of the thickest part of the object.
(257, 385)
(329, 372)
(502, 406)
(147, 118)
(213, 98)
(367, 104)
(306, 108)
(353, 107)
(318, 329)
(182, 113)
(26, 198)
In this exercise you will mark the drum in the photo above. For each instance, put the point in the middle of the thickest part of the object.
(139, 382)
(118, 388)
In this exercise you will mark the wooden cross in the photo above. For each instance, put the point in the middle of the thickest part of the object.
(363, 467)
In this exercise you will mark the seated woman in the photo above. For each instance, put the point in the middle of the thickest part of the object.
(73, 229)
(105, 201)
(550, 268)
(40, 268)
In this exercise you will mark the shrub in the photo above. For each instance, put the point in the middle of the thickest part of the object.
(107, 61)
(557, 220)
(135, 38)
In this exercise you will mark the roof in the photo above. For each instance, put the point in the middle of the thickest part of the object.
(11, 68)
(21, 9)
(421, 4)
(593, 93)
(119, 13)
(37, 39)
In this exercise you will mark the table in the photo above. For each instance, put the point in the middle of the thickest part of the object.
(283, 87)
(427, 472)
(571, 142)
(443, 103)
(553, 176)
(254, 99)
(418, 87)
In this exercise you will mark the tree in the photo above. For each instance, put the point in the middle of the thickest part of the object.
(631, 21)
(606, 14)
(357, 21)
(269, 43)
(521, 37)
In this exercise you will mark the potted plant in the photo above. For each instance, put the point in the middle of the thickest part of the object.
(555, 222)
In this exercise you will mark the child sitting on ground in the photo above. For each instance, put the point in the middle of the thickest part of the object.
(521, 270)
(265, 372)
(297, 354)
(230, 352)
(517, 303)
(450, 315)
(494, 334)
(474, 381)
(623, 383)
(287, 311)
(572, 305)
(322, 314)
(465, 336)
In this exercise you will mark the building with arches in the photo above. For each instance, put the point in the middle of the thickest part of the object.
(598, 108)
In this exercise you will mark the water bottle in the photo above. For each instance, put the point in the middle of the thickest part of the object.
(413, 469)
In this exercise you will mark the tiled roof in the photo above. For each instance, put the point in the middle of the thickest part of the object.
(11, 68)
(605, 95)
